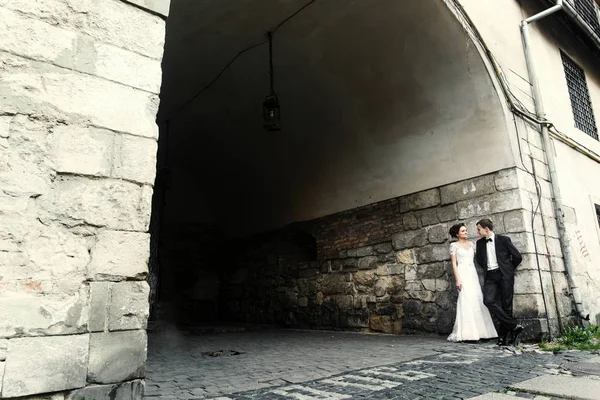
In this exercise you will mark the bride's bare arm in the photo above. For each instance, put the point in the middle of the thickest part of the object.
(455, 266)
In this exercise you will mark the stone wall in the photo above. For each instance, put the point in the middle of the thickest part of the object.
(385, 267)
(78, 97)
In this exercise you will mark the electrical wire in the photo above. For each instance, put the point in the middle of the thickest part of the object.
(269, 38)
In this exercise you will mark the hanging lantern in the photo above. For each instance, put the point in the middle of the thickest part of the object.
(271, 113)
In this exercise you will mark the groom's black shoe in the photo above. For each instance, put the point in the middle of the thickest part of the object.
(514, 335)
(502, 338)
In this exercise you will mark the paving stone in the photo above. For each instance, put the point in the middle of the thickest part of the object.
(401, 367)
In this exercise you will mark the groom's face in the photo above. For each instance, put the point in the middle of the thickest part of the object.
(483, 232)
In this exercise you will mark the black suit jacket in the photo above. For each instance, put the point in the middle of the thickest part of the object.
(506, 253)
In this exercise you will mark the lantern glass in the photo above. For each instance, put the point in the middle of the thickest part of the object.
(271, 113)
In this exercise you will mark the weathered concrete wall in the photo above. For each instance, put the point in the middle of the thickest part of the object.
(498, 23)
(78, 97)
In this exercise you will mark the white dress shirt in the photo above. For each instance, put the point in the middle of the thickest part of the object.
(491, 253)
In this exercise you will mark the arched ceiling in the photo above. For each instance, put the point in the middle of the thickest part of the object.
(378, 99)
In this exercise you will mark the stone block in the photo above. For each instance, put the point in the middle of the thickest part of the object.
(99, 306)
(425, 199)
(430, 254)
(413, 286)
(468, 189)
(410, 272)
(126, 67)
(410, 221)
(383, 248)
(388, 285)
(447, 213)
(3, 351)
(517, 221)
(25, 170)
(541, 170)
(432, 271)
(82, 150)
(422, 295)
(383, 270)
(528, 281)
(428, 217)
(45, 364)
(5, 121)
(117, 356)
(48, 255)
(129, 306)
(119, 255)
(406, 257)
(396, 269)
(528, 306)
(135, 159)
(530, 262)
(110, 203)
(303, 302)
(408, 239)
(384, 324)
(525, 244)
(441, 285)
(368, 262)
(506, 179)
(344, 302)
(364, 280)
(438, 233)
(490, 204)
(364, 251)
(26, 309)
(333, 284)
(429, 284)
(38, 88)
(125, 391)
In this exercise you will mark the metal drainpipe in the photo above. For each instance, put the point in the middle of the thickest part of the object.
(541, 114)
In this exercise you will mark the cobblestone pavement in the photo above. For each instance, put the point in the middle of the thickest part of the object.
(314, 365)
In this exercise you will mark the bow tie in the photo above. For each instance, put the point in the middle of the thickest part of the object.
(489, 240)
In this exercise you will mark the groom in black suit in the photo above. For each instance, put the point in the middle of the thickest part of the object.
(499, 258)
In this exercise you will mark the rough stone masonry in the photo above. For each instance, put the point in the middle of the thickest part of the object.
(385, 267)
(79, 83)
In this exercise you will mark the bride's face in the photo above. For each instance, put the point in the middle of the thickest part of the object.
(462, 232)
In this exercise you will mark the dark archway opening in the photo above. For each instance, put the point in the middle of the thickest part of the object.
(334, 222)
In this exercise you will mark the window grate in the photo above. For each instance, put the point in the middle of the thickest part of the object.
(589, 13)
(580, 97)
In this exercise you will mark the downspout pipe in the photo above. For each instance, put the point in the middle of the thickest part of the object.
(541, 114)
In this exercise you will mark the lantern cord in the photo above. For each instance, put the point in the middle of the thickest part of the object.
(271, 69)
(240, 53)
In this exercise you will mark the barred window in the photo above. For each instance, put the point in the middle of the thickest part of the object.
(580, 97)
(589, 13)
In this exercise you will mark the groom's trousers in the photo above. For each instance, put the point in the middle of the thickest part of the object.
(494, 286)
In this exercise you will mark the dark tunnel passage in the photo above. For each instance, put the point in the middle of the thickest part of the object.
(334, 221)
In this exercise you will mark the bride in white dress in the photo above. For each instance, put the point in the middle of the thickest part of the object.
(473, 320)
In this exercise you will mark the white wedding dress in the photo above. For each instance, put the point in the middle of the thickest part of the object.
(473, 320)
